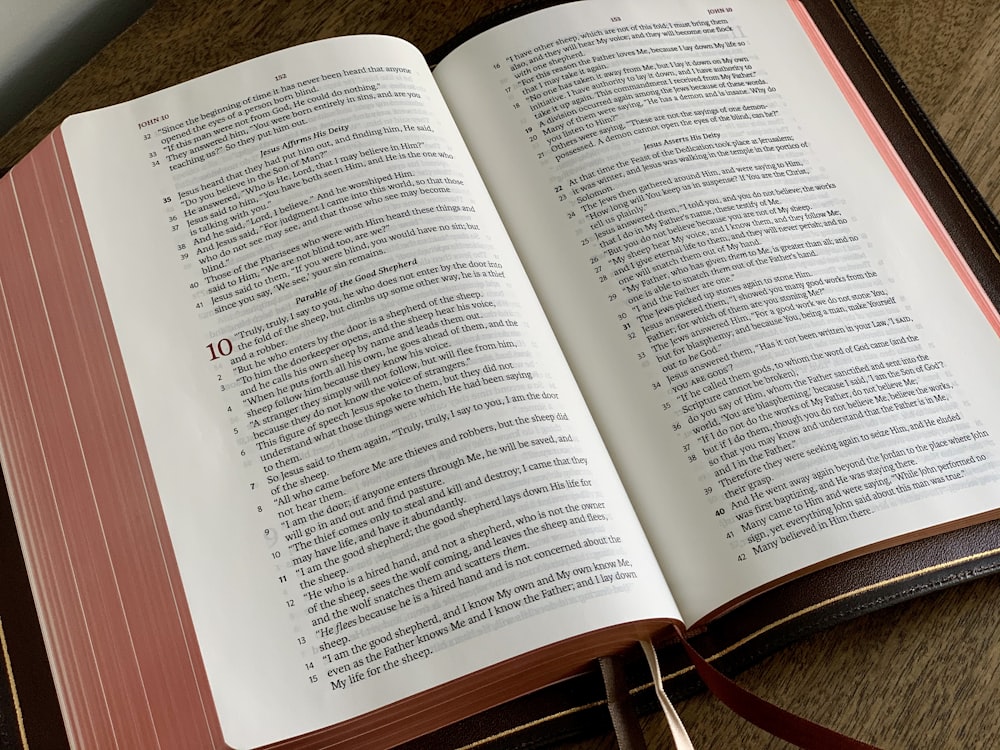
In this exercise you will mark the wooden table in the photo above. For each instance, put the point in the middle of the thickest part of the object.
(920, 675)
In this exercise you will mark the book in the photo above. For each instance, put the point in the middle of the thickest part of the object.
(332, 392)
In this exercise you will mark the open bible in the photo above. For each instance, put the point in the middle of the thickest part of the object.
(343, 399)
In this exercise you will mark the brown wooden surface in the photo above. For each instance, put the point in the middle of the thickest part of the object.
(920, 675)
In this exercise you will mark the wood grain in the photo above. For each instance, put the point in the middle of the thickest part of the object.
(919, 675)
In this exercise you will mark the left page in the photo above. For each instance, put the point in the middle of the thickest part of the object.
(377, 471)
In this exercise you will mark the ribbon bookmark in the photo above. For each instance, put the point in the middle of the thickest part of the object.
(769, 717)
(680, 735)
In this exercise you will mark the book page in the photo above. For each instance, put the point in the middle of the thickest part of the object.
(377, 471)
(788, 361)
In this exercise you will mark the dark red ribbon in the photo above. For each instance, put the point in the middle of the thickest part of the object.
(769, 717)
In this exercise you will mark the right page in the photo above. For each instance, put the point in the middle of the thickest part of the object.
(784, 350)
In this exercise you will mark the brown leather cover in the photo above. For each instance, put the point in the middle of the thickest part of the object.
(29, 711)
(733, 641)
